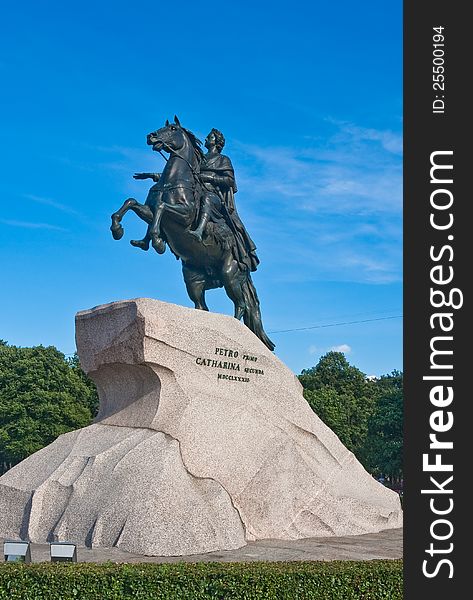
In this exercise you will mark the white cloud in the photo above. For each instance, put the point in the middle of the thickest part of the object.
(313, 349)
(48, 202)
(357, 171)
(338, 204)
(389, 140)
(29, 225)
(345, 348)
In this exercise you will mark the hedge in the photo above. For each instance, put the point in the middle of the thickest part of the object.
(336, 580)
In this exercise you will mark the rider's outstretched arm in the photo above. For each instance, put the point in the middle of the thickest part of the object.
(154, 176)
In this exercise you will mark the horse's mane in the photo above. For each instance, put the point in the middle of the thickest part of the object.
(196, 144)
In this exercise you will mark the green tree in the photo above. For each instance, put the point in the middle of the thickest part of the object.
(42, 395)
(342, 396)
(92, 397)
(382, 454)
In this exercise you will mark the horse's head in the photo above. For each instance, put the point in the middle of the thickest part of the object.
(170, 137)
(175, 138)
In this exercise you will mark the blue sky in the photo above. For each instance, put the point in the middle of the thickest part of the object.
(309, 97)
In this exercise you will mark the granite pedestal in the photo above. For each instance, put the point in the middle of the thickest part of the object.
(203, 442)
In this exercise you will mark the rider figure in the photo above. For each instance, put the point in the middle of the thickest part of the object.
(218, 176)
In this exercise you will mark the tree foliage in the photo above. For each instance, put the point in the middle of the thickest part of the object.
(367, 415)
(42, 395)
(382, 454)
(342, 397)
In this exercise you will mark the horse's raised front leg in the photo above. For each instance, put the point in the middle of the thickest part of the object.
(142, 210)
(154, 231)
(116, 229)
(145, 213)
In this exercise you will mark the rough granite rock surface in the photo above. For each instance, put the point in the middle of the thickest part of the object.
(203, 442)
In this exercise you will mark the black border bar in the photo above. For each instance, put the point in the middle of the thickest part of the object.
(439, 516)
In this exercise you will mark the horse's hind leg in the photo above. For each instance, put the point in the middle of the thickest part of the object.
(116, 229)
(233, 278)
(195, 285)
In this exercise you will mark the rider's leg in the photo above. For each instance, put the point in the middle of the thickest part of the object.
(144, 243)
(204, 218)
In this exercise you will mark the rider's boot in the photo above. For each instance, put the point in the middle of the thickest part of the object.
(143, 244)
(198, 232)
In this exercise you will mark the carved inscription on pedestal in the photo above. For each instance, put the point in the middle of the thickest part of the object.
(231, 365)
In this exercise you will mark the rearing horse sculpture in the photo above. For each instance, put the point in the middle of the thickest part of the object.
(171, 210)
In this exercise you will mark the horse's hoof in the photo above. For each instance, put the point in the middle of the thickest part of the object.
(239, 312)
(159, 245)
(143, 244)
(117, 231)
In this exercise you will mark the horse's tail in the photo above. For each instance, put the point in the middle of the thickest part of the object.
(252, 316)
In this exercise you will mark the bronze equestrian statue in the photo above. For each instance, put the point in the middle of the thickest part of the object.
(191, 209)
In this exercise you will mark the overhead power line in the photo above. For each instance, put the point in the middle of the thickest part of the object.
(335, 324)
(320, 326)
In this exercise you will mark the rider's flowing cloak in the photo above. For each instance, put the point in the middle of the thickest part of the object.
(244, 249)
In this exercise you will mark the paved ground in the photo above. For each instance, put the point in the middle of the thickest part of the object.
(386, 544)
